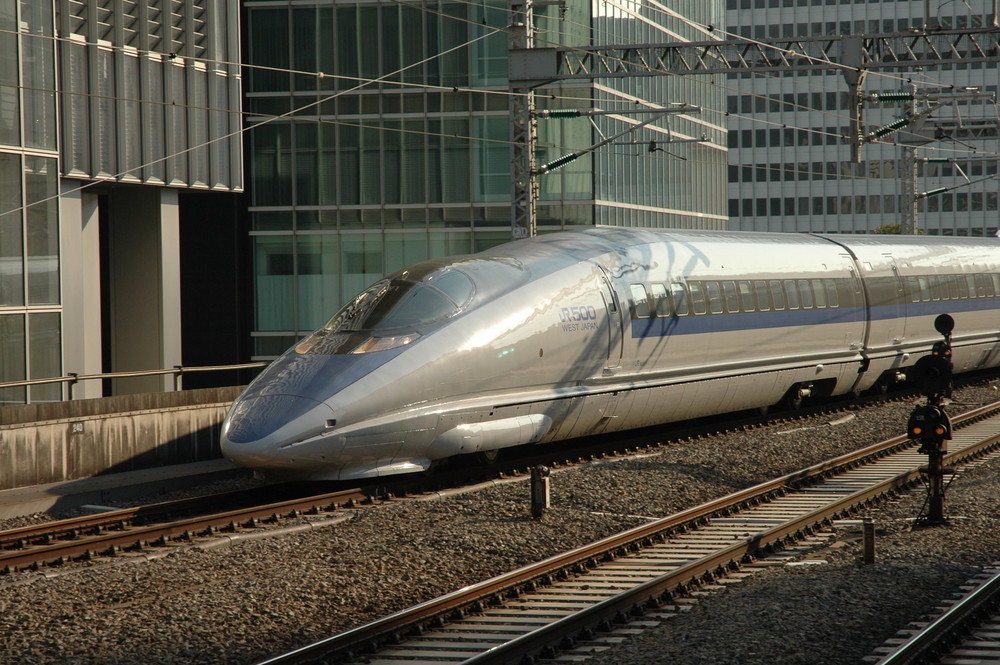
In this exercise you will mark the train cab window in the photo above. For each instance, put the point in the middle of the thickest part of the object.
(746, 295)
(697, 298)
(777, 295)
(805, 294)
(678, 294)
(454, 284)
(792, 294)
(732, 297)
(640, 301)
(714, 297)
(661, 303)
(763, 296)
(832, 297)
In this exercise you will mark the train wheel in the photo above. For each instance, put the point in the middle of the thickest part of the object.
(488, 456)
(884, 384)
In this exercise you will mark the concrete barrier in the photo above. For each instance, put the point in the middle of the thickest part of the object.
(60, 441)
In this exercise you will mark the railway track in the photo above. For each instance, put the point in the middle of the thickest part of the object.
(133, 529)
(966, 632)
(568, 600)
(185, 521)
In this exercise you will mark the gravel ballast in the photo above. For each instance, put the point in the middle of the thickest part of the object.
(242, 603)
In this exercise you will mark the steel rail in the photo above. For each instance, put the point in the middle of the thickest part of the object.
(930, 643)
(118, 520)
(392, 628)
(116, 532)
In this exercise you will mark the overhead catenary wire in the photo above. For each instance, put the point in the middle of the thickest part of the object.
(383, 80)
(243, 129)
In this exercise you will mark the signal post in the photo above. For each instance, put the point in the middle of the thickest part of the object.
(929, 423)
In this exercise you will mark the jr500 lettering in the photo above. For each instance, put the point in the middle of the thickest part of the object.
(578, 313)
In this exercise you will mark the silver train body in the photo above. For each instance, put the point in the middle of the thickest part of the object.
(606, 329)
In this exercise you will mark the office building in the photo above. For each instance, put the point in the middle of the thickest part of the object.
(791, 166)
(115, 117)
(379, 135)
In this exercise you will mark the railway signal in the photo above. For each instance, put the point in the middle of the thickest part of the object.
(929, 423)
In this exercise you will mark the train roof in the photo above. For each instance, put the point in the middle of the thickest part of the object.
(595, 241)
(552, 251)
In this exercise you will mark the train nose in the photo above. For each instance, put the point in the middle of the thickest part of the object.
(257, 426)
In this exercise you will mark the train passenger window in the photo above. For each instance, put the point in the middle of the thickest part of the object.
(819, 292)
(697, 298)
(805, 294)
(996, 283)
(678, 294)
(953, 287)
(763, 296)
(980, 287)
(988, 285)
(970, 280)
(777, 295)
(640, 301)
(914, 288)
(792, 294)
(746, 295)
(732, 298)
(925, 291)
(714, 297)
(831, 293)
(963, 286)
(660, 300)
(935, 284)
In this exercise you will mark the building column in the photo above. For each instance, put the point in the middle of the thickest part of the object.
(80, 269)
(144, 272)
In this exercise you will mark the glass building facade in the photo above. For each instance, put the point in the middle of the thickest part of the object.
(379, 135)
(30, 313)
(104, 105)
(791, 167)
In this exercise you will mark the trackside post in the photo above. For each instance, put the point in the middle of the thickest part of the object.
(539, 491)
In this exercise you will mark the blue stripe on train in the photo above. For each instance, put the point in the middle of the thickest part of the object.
(693, 325)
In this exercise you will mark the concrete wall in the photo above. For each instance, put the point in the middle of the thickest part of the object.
(60, 441)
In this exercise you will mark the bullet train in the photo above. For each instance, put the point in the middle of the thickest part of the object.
(606, 329)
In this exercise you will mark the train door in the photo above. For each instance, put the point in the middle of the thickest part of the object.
(855, 302)
(612, 305)
(896, 303)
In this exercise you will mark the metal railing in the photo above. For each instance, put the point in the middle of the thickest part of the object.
(72, 379)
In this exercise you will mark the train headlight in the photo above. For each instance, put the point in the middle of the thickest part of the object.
(373, 344)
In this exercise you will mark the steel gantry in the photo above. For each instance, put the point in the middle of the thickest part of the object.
(531, 67)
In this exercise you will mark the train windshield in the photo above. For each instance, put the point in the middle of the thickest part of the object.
(393, 312)
(400, 303)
